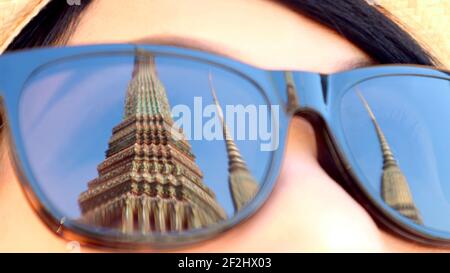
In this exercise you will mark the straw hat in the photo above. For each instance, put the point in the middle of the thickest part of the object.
(428, 20)
(14, 16)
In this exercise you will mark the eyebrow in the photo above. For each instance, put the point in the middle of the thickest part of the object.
(356, 63)
(185, 42)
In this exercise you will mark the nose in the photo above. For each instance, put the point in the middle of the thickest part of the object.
(301, 140)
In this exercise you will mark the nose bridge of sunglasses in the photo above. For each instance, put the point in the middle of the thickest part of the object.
(306, 91)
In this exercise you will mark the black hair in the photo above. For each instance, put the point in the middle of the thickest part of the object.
(52, 26)
(372, 28)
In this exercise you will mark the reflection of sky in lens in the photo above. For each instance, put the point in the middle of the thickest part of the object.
(414, 115)
(68, 110)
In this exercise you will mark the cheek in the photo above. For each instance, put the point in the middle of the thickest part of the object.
(21, 229)
(324, 216)
(319, 212)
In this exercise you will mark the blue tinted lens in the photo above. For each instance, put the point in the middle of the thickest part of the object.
(397, 130)
(135, 143)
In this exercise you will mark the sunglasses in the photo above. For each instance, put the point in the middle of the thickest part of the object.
(130, 146)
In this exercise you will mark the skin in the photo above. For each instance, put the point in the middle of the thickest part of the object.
(307, 211)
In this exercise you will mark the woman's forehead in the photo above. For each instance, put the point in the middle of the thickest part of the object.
(262, 33)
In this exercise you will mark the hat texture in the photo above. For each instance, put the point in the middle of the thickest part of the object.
(14, 16)
(427, 20)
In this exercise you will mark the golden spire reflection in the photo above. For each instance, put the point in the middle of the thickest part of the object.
(394, 185)
(243, 185)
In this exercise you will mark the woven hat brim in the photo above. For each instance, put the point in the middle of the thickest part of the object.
(14, 16)
(427, 20)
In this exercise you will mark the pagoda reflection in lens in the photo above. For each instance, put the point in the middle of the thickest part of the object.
(394, 185)
(154, 175)
(396, 129)
(157, 181)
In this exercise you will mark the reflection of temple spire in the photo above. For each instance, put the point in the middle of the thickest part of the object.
(243, 185)
(149, 181)
(146, 94)
(394, 186)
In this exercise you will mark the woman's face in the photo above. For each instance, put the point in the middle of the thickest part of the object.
(307, 211)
